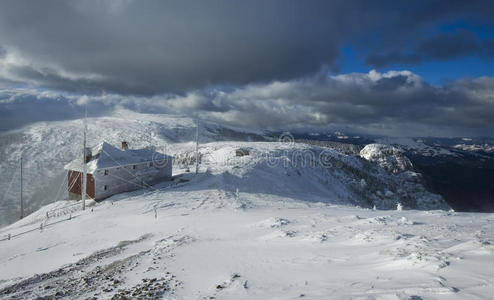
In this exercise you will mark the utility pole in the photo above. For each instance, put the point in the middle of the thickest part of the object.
(22, 199)
(197, 146)
(84, 166)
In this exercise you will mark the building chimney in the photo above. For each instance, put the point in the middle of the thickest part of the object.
(125, 146)
(89, 155)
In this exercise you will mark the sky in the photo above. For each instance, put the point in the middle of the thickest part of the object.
(400, 68)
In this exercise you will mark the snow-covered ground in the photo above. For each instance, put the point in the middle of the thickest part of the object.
(261, 220)
(201, 239)
(258, 226)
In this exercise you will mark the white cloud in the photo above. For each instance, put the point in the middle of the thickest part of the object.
(391, 103)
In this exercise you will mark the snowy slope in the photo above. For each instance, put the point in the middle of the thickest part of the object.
(314, 174)
(203, 239)
(48, 146)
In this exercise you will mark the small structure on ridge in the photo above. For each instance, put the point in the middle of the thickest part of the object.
(111, 171)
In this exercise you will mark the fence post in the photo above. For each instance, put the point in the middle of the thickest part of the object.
(9, 236)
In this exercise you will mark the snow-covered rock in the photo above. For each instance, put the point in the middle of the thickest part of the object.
(388, 157)
(410, 187)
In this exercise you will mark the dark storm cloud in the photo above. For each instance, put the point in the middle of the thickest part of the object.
(443, 46)
(488, 48)
(410, 32)
(150, 47)
(147, 47)
(447, 46)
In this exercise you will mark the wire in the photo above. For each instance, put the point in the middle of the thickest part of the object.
(75, 180)
(127, 181)
(10, 185)
(60, 187)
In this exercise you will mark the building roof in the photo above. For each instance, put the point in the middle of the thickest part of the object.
(107, 156)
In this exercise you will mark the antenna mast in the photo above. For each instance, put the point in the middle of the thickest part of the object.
(22, 199)
(84, 167)
(197, 146)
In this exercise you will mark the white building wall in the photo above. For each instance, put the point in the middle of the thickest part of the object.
(130, 177)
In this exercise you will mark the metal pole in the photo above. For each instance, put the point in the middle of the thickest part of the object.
(84, 167)
(197, 147)
(22, 198)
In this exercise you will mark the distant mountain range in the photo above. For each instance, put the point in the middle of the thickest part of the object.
(460, 169)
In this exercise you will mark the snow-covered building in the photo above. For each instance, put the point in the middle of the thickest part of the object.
(111, 171)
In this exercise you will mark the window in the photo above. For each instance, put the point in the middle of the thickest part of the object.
(105, 187)
(133, 167)
(106, 172)
(151, 164)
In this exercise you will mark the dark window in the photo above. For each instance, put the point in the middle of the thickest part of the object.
(106, 172)
(105, 187)
(151, 164)
(134, 167)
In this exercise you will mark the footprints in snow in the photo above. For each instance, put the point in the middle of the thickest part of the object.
(235, 282)
(106, 274)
